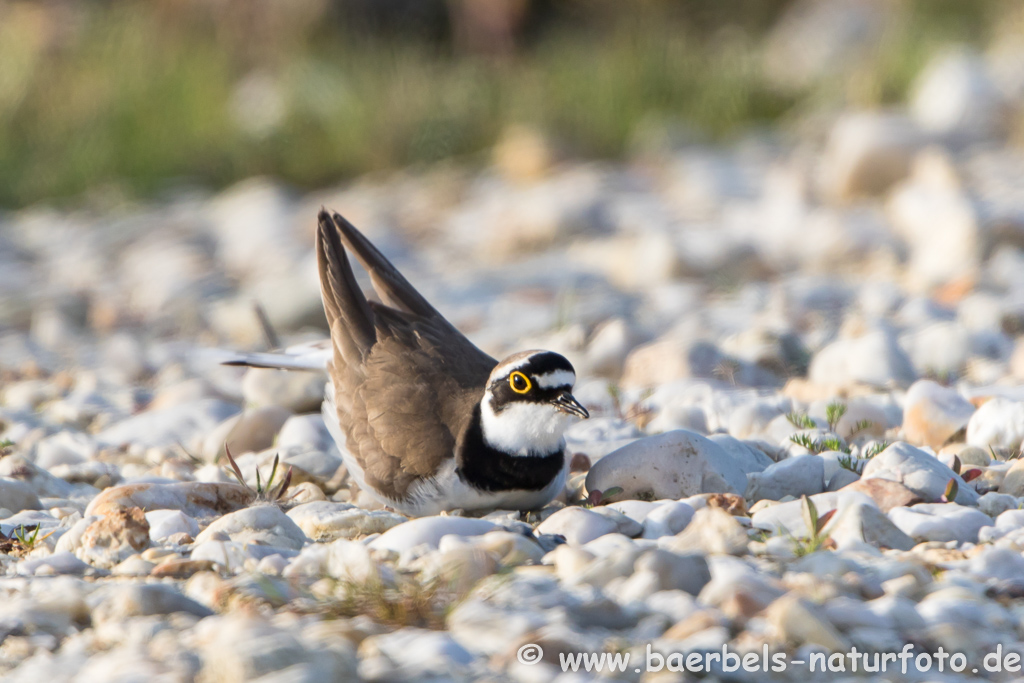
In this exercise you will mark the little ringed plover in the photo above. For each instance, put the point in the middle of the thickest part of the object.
(425, 420)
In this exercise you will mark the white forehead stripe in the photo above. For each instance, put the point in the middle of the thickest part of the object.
(555, 378)
(507, 368)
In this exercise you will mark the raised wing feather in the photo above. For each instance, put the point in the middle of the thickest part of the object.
(404, 399)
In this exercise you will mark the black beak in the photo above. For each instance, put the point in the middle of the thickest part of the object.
(567, 403)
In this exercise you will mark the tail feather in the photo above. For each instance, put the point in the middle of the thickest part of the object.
(275, 361)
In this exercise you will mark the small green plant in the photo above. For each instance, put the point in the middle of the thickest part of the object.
(1011, 455)
(759, 535)
(596, 498)
(408, 602)
(816, 538)
(640, 413)
(616, 393)
(834, 412)
(834, 443)
(817, 446)
(196, 460)
(860, 426)
(805, 441)
(29, 537)
(264, 492)
(875, 449)
(727, 370)
(848, 462)
(6, 443)
(801, 420)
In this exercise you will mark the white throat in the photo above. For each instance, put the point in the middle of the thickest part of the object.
(524, 429)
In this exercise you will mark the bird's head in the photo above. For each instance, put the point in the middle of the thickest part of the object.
(528, 403)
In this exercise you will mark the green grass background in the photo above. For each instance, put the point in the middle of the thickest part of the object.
(143, 96)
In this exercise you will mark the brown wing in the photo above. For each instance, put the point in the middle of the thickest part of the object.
(404, 393)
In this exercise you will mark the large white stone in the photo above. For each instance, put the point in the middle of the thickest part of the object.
(194, 498)
(862, 522)
(578, 525)
(673, 465)
(939, 349)
(306, 430)
(297, 391)
(185, 424)
(667, 519)
(874, 358)
(749, 458)
(940, 522)
(429, 531)
(937, 221)
(25, 473)
(999, 422)
(868, 151)
(325, 520)
(413, 654)
(802, 475)
(956, 97)
(17, 496)
(265, 524)
(65, 448)
(788, 517)
(919, 471)
(1002, 564)
(164, 523)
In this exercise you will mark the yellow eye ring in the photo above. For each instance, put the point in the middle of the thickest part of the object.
(519, 382)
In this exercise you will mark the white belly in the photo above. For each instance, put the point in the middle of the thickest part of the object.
(447, 491)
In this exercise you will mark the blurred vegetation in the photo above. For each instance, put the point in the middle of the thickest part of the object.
(148, 95)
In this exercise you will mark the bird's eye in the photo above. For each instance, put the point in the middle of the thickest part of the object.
(519, 382)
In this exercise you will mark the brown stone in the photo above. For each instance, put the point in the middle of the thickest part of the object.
(129, 526)
(1013, 479)
(180, 538)
(938, 555)
(196, 499)
(886, 494)
(181, 568)
(580, 463)
(730, 502)
(693, 624)
(112, 538)
(934, 415)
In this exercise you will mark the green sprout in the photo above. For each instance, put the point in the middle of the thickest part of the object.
(1012, 455)
(834, 412)
(848, 462)
(816, 538)
(264, 492)
(29, 537)
(595, 497)
(801, 420)
(875, 449)
(817, 446)
(861, 425)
